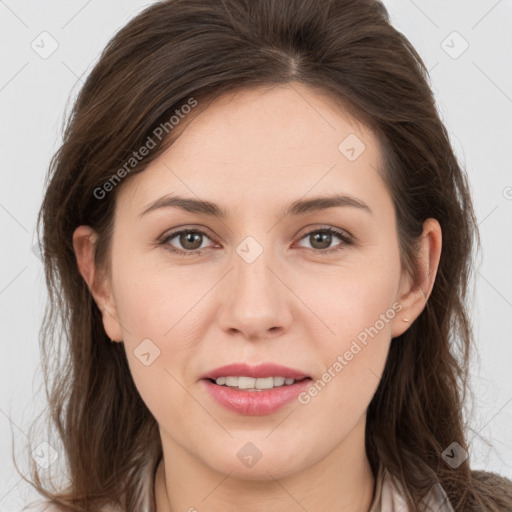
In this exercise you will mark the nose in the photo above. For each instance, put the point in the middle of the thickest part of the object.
(255, 302)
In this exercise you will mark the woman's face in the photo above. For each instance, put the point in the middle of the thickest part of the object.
(262, 284)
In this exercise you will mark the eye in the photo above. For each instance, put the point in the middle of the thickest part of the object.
(321, 239)
(190, 240)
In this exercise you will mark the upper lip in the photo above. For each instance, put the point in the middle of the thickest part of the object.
(258, 371)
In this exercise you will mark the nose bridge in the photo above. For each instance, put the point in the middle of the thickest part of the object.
(252, 264)
(254, 302)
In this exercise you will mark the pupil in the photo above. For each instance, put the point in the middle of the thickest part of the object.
(326, 238)
(187, 238)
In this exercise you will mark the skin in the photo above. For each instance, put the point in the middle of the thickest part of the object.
(253, 152)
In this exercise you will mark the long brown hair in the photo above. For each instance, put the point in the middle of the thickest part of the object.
(176, 50)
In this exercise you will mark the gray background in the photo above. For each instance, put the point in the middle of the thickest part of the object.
(474, 94)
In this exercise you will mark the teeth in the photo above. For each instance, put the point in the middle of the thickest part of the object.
(246, 382)
(252, 384)
(263, 383)
(231, 381)
(279, 381)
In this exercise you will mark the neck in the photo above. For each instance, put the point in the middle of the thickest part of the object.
(341, 481)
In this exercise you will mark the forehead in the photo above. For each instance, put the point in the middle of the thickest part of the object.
(262, 144)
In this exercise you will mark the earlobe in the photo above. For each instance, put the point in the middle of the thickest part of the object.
(84, 240)
(414, 293)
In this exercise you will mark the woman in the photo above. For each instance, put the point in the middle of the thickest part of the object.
(258, 239)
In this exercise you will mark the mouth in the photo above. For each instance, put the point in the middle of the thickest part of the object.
(244, 383)
(254, 391)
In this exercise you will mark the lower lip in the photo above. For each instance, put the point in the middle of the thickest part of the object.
(255, 403)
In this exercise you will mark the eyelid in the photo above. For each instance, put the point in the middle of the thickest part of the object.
(327, 227)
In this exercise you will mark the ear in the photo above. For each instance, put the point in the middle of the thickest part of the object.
(414, 293)
(84, 243)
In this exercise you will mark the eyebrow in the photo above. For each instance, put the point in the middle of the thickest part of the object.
(299, 207)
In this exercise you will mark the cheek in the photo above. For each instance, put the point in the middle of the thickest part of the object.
(154, 303)
(162, 315)
(352, 367)
(354, 353)
(348, 299)
(357, 309)
(155, 360)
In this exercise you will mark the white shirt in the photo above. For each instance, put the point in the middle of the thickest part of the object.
(389, 496)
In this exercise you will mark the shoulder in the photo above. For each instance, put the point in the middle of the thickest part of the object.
(393, 496)
(492, 479)
(497, 487)
(490, 486)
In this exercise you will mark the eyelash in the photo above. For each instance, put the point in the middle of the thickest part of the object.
(329, 230)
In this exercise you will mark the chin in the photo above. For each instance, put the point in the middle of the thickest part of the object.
(249, 463)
